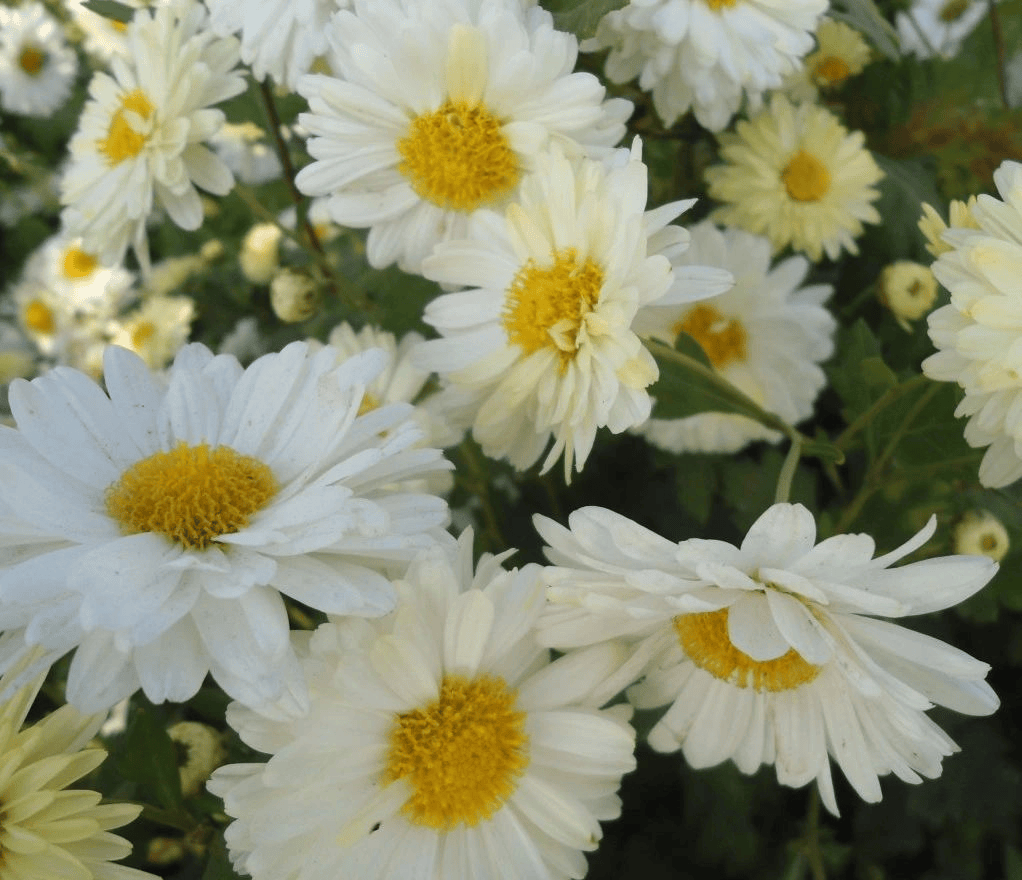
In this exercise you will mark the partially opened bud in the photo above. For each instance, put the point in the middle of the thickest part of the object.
(294, 295)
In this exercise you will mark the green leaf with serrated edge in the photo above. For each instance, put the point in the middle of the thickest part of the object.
(149, 758)
(111, 9)
(581, 17)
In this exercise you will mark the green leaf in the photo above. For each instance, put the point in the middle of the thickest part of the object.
(111, 9)
(581, 17)
(218, 866)
(149, 758)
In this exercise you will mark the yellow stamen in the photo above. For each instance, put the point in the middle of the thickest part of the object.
(723, 340)
(717, 5)
(78, 264)
(462, 754)
(832, 70)
(704, 639)
(192, 494)
(141, 333)
(457, 157)
(39, 317)
(122, 141)
(31, 60)
(805, 177)
(546, 305)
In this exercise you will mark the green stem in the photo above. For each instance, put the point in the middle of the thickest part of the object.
(880, 404)
(479, 485)
(262, 212)
(813, 851)
(787, 473)
(1002, 80)
(178, 819)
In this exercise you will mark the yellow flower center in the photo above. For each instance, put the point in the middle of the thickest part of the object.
(31, 60)
(369, 403)
(78, 264)
(192, 494)
(141, 333)
(122, 141)
(805, 177)
(717, 5)
(462, 754)
(458, 158)
(39, 317)
(723, 340)
(704, 639)
(119, 26)
(546, 305)
(832, 70)
(953, 10)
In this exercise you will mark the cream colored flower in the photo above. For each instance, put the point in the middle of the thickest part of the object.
(980, 532)
(932, 225)
(797, 176)
(201, 753)
(259, 256)
(908, 289)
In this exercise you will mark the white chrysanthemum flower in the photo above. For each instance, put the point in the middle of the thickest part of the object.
(156, 330)
(976, 334)
(279, 38)
(242, 149)
(437, 108)
(705, 55)
(37, 67)
(796, 175)
(140, 138)
(155, 529)
(841, 52)
(439, 742)
(771, 652)
(767, 335)
(931, 28)
(50, 830)
(103, 37)
(543, 346)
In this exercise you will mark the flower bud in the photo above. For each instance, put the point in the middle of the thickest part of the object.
(294, 296)
(259, 257)
(908, 289)
(203, 753)
(980, 533)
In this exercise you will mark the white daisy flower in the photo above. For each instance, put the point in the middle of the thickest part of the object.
(279, 38)
(437, 108)
(771, 652)
(767, 336)
(140, 137)
(937, 28)
(543, 345)
(103, 37)
(704, 55)
(976, 334)
(439, 742)
(37, 67)
(155, 529)
(796, 175)
(242, 149)
(156, 330)
(50, 830)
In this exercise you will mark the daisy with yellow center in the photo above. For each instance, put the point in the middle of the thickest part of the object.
(48, 829)
(185, 513)
(543, 348)
(767, 336)
(772, 652)
(937, 28)
(37, 67)
(841, 53)
(141, 138)
(447, 743)
(794, 174)
(707, 56)
(411, 148)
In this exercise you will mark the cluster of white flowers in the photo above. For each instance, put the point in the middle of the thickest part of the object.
(163, 508)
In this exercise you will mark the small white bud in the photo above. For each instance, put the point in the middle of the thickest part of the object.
(908, 289)
(980, 533)
(294, 296)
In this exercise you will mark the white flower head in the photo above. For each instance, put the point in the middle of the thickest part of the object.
(242, 149)
(37, 67)
(544, 343)
(140, 139)
(440, 742)
(705, 55)
(279, 38)
(437, 108)
(104, 37)
(796, 175)
(154, 530)
(773, 652)
(767, 335)
(937, 28)
(976, 334)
